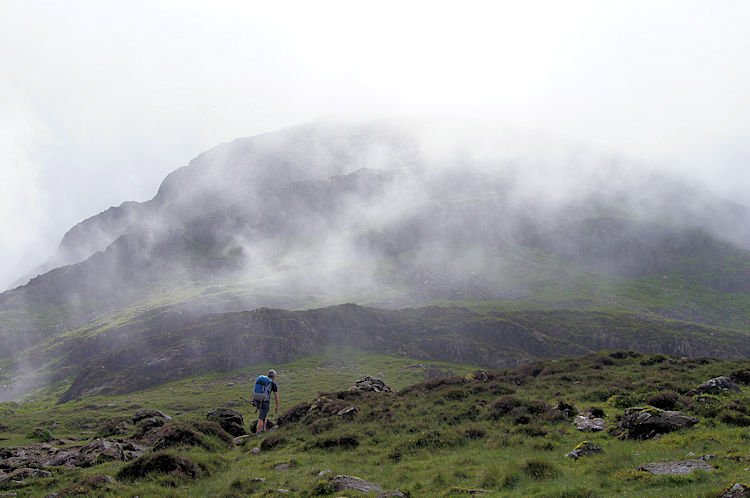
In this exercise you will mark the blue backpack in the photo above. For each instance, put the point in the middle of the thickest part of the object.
(262, 391)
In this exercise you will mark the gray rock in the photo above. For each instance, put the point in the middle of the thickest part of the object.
(240, 440)
(348, 413)
(25, 473)
(584, 449)
(283, 466)
(681, 467)
(99, 451)
(229, 420)
(148, 413)
(737, 491)
(370, 384)
(323, 472)
(647, 422)
(255, 451)
(715, 386)
(344, 482)
(584, 423)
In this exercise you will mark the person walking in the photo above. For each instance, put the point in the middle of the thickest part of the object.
(264, 403)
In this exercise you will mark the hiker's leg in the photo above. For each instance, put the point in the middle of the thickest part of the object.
(262, 414)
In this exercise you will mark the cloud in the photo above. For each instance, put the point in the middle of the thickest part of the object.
(109, 98)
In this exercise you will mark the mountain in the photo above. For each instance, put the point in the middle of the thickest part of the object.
(582, 249)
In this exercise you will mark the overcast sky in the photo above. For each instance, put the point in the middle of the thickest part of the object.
(99, 100)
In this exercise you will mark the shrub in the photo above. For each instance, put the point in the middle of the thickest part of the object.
(503, 406)
(735, 418)
(344, 442)
(455, 394)
(665, 400)
(653, 360)
(532, 431)
(539, 470)
(474, 431)
(41, 434)
(162, 463)
(272, 441)
(322, 425)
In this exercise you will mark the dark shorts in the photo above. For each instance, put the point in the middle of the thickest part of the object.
(263, 409)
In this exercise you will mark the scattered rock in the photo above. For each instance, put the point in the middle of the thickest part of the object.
(584, 449)
(647, 422)
(348, 413)
(255, 451)
(681, 467)
(715, 386)
(584, 423)
(737, 491)
(343, 482)
(148, 413)
(323, 472)
(25, 473)
(99, 451)
(229, 420)
(283, 466)
(257, 480)
(371, 384)
(240, 440)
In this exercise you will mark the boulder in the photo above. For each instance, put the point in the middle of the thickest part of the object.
(348, 413)
(229, 420)
(371, 384)
(715, 386)
(681, 467)
(584, 422)
(149, 413)
(737, 491)
(98, 451)
(584, 449)
(344, 482)
(25, 473)
(647, 422)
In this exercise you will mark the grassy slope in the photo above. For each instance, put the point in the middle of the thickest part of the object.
(418, 441)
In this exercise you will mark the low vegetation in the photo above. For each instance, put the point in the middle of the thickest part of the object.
(506, 432)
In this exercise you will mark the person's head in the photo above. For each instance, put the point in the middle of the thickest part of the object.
(272, 374)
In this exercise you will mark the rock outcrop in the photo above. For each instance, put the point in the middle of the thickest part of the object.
(647, 422)
(584, 449)
(371, 384)
(715, 386)
(229, 420)
(680, 467)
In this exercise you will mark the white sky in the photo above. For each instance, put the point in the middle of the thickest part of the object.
(99, 100)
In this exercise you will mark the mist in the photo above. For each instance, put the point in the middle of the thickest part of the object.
(101, 103)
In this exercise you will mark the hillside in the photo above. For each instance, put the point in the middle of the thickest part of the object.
(529, 246)
(492, 432)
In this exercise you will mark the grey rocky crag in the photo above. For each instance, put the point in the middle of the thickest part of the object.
(715, 386)
(647, 422)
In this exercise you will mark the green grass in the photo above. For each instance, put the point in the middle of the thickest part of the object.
(430, 439)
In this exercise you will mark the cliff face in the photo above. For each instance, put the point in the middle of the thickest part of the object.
(173, 346)
(319, 215)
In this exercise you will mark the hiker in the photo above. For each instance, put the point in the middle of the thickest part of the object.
(264, 386)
